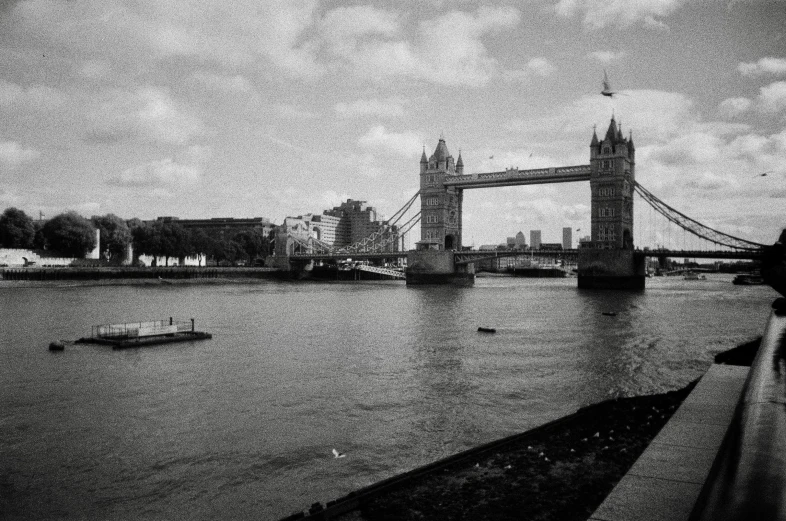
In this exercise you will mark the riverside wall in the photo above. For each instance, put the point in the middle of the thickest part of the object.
(104, 273)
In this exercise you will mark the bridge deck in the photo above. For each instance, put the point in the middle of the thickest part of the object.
(514, 177)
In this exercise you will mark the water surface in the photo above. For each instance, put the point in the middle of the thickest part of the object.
(242, 426)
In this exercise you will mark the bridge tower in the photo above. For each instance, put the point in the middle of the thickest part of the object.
(609, 260)
(612, 162)
(432, 261)
(440, 206)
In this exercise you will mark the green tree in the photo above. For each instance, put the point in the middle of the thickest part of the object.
(16, 229)
(162, 239)
(70, 234)
(254, 244)
(228, 251)
(202, 245)
(115, 235)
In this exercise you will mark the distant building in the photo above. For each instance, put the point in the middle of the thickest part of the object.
(345, 225)
(534, 239)
(516, 243)
(357, 221)
(567, 238)
(551, 246)
(223, 227)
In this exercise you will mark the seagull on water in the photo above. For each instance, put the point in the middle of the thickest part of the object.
(337, 454)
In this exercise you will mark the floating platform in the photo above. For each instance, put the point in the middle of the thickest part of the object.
(142, 334)
(185, 336)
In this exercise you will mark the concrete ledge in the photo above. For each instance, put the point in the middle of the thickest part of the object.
(666, 480)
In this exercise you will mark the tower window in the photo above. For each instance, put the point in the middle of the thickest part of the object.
(605, 164)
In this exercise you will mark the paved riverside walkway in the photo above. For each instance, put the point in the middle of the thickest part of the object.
(664, 483)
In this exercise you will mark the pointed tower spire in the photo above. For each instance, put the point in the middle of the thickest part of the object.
(630, 140)
(460, 164)
(423, 158)
(611, 133)
(594, 142)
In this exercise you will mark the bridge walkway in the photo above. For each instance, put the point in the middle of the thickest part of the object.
(665, 482)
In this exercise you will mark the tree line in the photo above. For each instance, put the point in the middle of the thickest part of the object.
(72, 235)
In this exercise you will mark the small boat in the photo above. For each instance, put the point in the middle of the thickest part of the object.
(487, 330)
(748, 280)
(609, 313)
(694, 276)
(57, 345)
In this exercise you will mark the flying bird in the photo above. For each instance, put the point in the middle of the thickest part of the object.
(491, 157)
(607, 86)
(764, 174)
(337, 454)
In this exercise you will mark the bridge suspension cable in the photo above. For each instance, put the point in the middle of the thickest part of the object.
(692, 225)
(401, 211)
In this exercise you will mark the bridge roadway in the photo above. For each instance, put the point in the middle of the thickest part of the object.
(514, 177)
(466, 257)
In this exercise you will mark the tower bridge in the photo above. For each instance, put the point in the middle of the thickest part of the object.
(608, 260)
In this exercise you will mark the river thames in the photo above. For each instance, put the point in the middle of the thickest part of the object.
(243, 426)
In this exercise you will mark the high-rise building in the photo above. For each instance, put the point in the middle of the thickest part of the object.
(567, 238)
(534, 239)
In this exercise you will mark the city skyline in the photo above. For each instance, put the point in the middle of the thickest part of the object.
(278, 109)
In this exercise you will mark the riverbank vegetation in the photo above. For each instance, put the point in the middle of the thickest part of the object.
(71, 235)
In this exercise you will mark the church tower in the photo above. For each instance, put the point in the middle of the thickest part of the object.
(440, 206)
(612, 162)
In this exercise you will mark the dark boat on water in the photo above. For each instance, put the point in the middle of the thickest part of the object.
(748, 280)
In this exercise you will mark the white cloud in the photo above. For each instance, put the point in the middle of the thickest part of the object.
(35, 97)
(655, 25)
(162, 172)
(147, 114)
(12, 154)
(445, 50)
(774, 66)
(772, 98)
(540, 66)
(95, 69)
(8, 198)
(405, 144)
(733, 107)
(290, 111)
(225, 84)
(87, 209)
(371, 107)
(237, 32)
(607, 57)
(602, 13)
(9, 93)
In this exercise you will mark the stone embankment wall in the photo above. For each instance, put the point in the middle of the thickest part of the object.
(14, 257)
(164, 274)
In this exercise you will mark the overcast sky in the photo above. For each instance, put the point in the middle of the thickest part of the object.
(272, 108)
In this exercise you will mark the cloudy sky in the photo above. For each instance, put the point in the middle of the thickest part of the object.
(272, 108)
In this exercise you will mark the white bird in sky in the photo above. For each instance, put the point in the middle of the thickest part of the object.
(338, 454)
(607, 86)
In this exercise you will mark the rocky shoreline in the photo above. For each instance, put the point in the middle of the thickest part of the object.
(560, 472)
